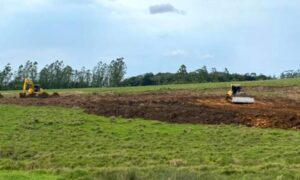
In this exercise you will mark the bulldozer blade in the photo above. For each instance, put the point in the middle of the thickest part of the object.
(243, 100)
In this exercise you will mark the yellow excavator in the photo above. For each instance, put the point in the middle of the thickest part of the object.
(237, 96)
(32, 90)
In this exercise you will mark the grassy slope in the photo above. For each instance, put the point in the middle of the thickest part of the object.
(200, 86)
(71, 144)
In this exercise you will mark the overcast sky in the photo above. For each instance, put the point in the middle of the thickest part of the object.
(261, 36)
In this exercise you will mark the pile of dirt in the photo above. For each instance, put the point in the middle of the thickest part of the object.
(55, 94)
(43, 95)
(1, 96)
(181, 107)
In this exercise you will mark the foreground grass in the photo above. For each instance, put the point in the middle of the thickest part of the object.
(196, 87)
(23, 175)
(60, 143)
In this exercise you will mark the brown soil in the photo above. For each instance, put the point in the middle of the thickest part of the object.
(181, 107)
(55, 94)
(43, 95)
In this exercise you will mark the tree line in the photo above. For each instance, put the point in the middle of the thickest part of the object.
(290, 74)
(182, 76)
(58, 75)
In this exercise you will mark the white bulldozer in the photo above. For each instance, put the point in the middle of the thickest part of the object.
(237, 96)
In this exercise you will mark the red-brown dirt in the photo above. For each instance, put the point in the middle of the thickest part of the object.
(181, 107)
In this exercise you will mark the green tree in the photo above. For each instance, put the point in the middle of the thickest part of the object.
(99, 77)
(5, 77)
(147, 79)
(67, 75)
(30, 71)
(51, 75)
(182, 74)
(203, 74)
(117, 71)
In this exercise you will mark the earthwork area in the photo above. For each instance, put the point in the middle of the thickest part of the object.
(198, 107)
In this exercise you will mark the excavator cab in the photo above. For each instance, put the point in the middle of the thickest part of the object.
(37, 88)
(236, 89)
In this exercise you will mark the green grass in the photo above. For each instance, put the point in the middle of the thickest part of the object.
(23, 175)
(199, 86)
(60, 143)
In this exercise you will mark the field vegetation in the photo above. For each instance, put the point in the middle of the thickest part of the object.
(66, 143)
(293, 82)
(60, 143)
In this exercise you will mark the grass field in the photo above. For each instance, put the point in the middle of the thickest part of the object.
(200, 86)
(60, 143)
(25, 175)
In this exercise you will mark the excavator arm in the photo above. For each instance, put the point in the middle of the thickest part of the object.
(29, 83)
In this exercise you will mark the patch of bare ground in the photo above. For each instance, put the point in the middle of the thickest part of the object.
(185, 107)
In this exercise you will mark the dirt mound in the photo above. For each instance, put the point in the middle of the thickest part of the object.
(55, 94)
(22, 95)
(181, 107)
(1, 96)
(43, 95)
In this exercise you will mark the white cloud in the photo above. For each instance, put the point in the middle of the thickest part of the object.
(9, 8)
(21, 4)
(206, 56)
(15, 6)
(176, 53)
(81, 2)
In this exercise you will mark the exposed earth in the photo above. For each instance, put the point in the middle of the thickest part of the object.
(184, 107)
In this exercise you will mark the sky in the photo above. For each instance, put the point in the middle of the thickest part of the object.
(261, 36)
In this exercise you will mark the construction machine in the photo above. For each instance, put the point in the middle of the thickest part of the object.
(32, 90)
(237, 96)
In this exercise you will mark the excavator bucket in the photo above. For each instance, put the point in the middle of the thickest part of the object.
(243, 100)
